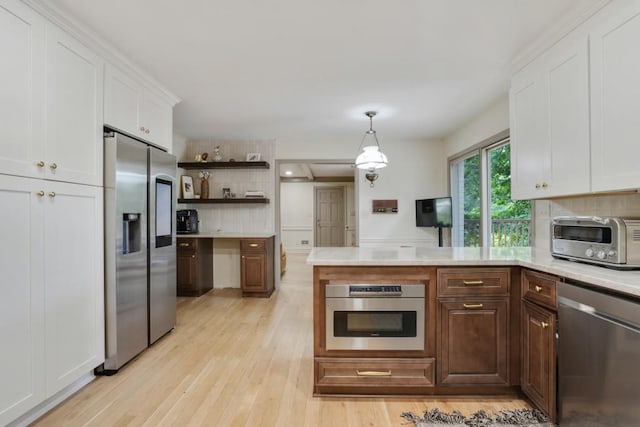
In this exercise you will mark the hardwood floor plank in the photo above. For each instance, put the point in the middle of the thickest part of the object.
(234, 361)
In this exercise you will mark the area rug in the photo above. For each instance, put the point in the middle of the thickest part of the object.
(516, 417)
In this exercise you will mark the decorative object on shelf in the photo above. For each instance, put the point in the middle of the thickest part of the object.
(202, 158)
(187, 186)
(254, 194)
(217, 157)
(253, 157)
(371, 158)
(204, 184)
(226, 193)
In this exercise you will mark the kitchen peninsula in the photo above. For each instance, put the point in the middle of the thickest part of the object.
(472, 322)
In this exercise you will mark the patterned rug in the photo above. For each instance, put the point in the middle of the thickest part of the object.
(516, 417)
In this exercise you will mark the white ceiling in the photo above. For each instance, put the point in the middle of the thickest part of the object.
(303, 70)
(317, 170)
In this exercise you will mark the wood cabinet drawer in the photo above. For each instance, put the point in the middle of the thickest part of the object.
(473, 281)
(252, 245)
(187, 245)
(374, 373)
(539, 287)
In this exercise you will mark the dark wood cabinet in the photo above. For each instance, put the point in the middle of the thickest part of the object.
(538, 374)
(195, 266)
(256, 267)
(474, 326)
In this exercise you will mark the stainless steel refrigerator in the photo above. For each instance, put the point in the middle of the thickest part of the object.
(140, 247)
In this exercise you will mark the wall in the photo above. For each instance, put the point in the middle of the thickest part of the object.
(296, 213)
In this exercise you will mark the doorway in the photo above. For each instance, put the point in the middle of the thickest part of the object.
(329, 215)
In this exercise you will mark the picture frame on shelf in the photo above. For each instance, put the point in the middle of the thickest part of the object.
(253, 157)
(186, 182)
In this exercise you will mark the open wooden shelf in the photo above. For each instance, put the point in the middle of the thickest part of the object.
(223, 165)
(243, 200)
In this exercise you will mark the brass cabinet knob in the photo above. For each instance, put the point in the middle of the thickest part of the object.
(242, 257)
(146, 130)
(184, 245)
(537, 186)
(53, 166)
(544, 325)
(52, 194)
(472, 305)
(253, 245)
(40, 193)
(40, 164)
(142, 128)
(545, 185)
(538, 288)
(193, 256)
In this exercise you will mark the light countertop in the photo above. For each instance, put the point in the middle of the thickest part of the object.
(227, 235)
(621, 281)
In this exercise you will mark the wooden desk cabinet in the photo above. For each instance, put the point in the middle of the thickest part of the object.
(256, 267)
(195, 266)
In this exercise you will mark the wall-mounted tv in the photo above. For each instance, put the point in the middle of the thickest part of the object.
(434, 212)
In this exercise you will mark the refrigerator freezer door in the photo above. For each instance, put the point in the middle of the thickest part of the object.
(125, 249)
(162, 243)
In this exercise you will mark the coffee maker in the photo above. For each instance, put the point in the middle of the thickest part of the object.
(187, 221)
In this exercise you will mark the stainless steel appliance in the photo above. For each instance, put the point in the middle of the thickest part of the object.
(609, 241)
(187, 221)
(598, 357)
(140, 247)
(375, 316)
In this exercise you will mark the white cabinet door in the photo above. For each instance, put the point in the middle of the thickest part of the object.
(615, 99)
(121, 100)
(21, 297)
(549, 107)
(21, 89)
(74, 87)
(529, 133)
(156, 117)
(74, 284)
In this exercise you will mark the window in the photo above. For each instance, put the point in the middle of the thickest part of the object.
(484, 214)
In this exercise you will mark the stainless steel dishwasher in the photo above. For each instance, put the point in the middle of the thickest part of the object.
(598, 358)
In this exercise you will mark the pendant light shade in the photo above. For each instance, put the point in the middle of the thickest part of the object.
(370, 158)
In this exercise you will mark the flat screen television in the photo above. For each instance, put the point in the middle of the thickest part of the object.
(434, 212)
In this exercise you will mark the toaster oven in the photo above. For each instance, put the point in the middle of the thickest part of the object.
(608, 241)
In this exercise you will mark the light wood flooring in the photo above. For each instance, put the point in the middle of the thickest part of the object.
(235, 361)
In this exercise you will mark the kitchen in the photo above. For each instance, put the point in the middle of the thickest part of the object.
(416, 169)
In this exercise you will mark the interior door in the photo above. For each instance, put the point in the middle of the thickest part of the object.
(330, 216)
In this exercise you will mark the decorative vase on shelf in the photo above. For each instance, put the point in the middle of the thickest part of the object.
(204, 188)
(217, 157)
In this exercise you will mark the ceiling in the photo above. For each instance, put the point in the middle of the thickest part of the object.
(303, 71)
(317, 171)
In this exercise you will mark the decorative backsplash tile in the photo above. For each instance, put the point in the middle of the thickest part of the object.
(623, 204)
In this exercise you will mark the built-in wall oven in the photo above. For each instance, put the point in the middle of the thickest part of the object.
(375, 316)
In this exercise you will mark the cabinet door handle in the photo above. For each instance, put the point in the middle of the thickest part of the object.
(141, 128)
(242, 257)
(472, 282)
(184, 245)
(544, 325)
(146, 130)
(53, 166)
(545, 185)
(538, 288)
(538, 186)
(253, 245)
(40, 164)
(472, 305)
(193, 256)
(373, 373)
(40, 193)
(52, 194)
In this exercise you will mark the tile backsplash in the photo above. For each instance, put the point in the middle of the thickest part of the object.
(241, 218)
(623, 204)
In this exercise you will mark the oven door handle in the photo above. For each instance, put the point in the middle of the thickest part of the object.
(373, 373)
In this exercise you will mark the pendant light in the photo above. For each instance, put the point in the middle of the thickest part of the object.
(371, 158)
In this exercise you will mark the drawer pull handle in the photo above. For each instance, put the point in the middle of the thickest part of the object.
(40, 164)
(538, 288)
(473, 282)
(193, 256)
(373, 373)
(544, 325)
(253, 245)
(472, 305)
(53, 166)
(184, 245)
(40, 193)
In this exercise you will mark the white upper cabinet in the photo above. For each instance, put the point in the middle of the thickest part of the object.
(549, 102)
(74, 87)
(615, 99)
(133, 108)
(21, 89)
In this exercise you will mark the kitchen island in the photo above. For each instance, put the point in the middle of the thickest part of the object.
(486, 322)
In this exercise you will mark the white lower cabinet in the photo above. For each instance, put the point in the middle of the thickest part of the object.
(51, 292)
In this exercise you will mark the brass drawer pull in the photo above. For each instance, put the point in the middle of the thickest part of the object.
(253, 245)
(184, 245)
(472, 305)
(53, 166)
(544, 325)
(40, 164)
(40, 193)
(538, 288)
(473, 282)
(373, 373)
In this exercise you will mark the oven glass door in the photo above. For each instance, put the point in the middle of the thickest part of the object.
(375, 323)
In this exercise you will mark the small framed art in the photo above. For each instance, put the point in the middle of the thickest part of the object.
(187, 186)
(253, 157)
